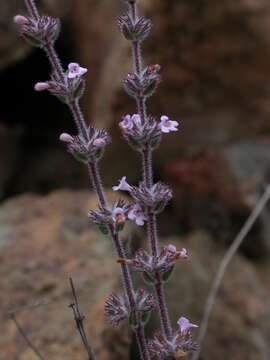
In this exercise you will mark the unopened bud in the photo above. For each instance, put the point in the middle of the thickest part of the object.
(66, 138)
(20, 20)
(99, 142)
(40, 86)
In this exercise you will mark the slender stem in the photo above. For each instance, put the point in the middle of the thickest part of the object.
(55, 62)
(225, 262)
(32, 9)
(148, 179)
(79, 318)
(79, 118)
(97, 185)
(25, 337)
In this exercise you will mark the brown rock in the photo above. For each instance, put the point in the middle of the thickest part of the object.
(43, 241)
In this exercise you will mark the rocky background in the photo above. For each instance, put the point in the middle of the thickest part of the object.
(216, 64)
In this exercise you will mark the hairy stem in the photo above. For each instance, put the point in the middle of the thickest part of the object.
(97, 185)
(225, 262)
(32, 9)
(148, 179)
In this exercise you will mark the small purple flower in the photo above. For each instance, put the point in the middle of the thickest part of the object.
(185, 325)
(118, 214)
(75, 70)
(126, 123)
(168, 125)
(172, 249)
(123, 185)
(136, 214)
(183, 253)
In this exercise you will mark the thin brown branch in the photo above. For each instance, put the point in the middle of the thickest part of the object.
(79, 317)
(25, 337)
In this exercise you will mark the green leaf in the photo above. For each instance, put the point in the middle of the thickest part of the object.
(167, 274)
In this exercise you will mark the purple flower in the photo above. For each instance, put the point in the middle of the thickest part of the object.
(123, 185)
(136, 214)
(168, 125)
(129, 121)
(75, 70)
(183, 253)
(172, 249)
(185, 325)
(126, 123)
(118, 215)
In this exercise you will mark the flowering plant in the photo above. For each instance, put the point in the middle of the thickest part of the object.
(143, 133)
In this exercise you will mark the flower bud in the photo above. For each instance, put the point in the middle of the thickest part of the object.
(20, 20)
(66, 138)
(40, 86)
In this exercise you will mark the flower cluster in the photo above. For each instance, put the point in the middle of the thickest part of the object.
(143, 84)
(38, 32)
(87, 149)
(114, 217)
(68, 88)
(155, 197)
(139, 133)
(118, 309)
(134, 30)
(150, 265)
(179, 346)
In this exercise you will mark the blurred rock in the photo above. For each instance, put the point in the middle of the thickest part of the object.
(208, 195)
(44, 241)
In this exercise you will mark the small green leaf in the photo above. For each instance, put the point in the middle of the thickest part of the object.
(167, 274)
(104, 229)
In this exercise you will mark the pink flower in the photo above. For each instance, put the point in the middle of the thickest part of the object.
(75, 70)
(66, 138)
(123, 185)
(168, 125)
(136, 214)
(118, 214)
(99, 142)
(184, 325)
(183, 254)
(129, 121)
(20, 20)
(126, 123)
(40, 86)
(172, 248)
